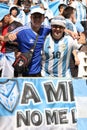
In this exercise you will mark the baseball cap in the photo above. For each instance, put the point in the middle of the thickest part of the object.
(59, 20)
(37, 10)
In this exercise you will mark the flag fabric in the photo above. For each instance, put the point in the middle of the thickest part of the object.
(80, 88)
(43, 103)
(4, 9)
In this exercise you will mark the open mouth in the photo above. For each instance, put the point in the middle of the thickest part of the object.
(57, 32)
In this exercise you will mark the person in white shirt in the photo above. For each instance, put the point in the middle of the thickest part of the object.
(57, 50)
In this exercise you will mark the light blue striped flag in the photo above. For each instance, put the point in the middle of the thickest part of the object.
(4, 10)
(80, 91)
(43, 103)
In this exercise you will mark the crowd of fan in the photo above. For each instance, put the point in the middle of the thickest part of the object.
(19, 15)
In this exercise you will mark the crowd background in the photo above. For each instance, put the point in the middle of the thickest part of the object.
(25, 5)
(23, 8)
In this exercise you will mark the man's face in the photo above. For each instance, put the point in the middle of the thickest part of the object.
(57, 31)
(61, 9)
(14, 12)
(27, 5)
(73, 16)
(36, 20)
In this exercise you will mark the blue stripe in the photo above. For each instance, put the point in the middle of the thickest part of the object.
(26, 19)
(80, 87)
(51, 4)
(4, 10)
(47, 43)
(55, 64)
(56, 12)
(82, 9)
(80, 13)
(64, 59)
(82, 124)
(54, 7)
(41, 107)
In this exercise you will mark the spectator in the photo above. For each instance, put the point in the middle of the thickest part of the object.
(25, 12)
(61, 7)
(17, 2)
(8, 48)
(14, 12)
(69, 14)
(80, 9)
(57, 50)
(26, 37)
(48, 13)
(8, 25)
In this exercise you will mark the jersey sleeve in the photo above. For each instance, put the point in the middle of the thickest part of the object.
(69, 26)
(18, 29)
(75, 44)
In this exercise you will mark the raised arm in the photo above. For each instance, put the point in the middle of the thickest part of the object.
(8, 37)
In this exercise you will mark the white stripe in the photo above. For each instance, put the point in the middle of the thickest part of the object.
(60, 61)
(81, 106)
(9, 123)
(51, 61)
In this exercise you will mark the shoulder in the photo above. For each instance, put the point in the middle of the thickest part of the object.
(17, 24)
(45, 26)
(49, 39)
(72, 42)
(45, 29)
(69, 24)
(24, 30)
(68, 38)
(21, 28)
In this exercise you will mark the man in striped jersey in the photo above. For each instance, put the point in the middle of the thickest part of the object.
(80, 9)
(24, 15)
(76, 27)
(57, 50)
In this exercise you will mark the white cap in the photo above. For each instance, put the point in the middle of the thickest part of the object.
(37, 10)
(59, 20)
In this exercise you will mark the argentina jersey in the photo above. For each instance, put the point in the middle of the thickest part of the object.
(80, 11)
(24, 18)
(56, 57)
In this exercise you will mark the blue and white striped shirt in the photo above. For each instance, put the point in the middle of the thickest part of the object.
(80, 11)
(56, 56)
(24, 17)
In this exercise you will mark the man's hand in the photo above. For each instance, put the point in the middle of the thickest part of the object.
(8, 37)
(77, 61)
(74, 35)
(82, 38)
(18, 54)
(1, 38)
(12, 36)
